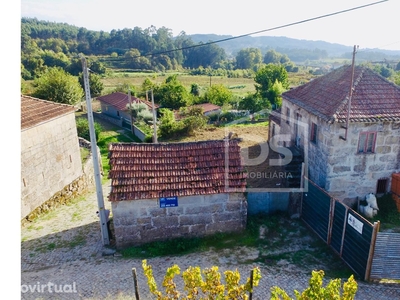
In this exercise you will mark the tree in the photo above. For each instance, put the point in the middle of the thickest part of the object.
(249, 58)
(267, 77)
(82, 126)
(59, 86)
(195, 89)
(167, 122)
(125, 88)
(96, 86)
(218, 94)
(171, 94)
(253, 103)
(272, 57)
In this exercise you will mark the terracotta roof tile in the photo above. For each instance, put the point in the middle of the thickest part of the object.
(146, 171)
(208, 107)
(374, 98)
(35, 111)
(121, 100)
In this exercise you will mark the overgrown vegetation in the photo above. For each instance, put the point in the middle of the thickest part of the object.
(388, 215)
(82, 126)
(202, 284)
(208, 284)
(275, 237)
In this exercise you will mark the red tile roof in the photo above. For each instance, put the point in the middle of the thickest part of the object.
(121, 100)
(35, 111)
(374, 98)
(207, 107)
(148, 171)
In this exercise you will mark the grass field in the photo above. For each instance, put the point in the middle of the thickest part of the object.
(239, 86)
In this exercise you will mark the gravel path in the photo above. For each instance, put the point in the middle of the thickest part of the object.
(64, 248)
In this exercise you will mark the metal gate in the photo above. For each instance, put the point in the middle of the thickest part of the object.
(343, 229)
(386, 262)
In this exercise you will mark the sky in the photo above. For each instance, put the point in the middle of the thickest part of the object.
(372, 26)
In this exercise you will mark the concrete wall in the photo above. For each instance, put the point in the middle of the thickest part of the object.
(138, 133)
(113, 112)
(141, 221)
(335, 165)
(50, 160)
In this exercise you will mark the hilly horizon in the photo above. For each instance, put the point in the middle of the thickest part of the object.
(282, 44)
(297, 50)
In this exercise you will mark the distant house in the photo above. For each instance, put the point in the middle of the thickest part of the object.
(50, 153)
(115, 105)
(350, 152)
(162, 191)
(208, 109)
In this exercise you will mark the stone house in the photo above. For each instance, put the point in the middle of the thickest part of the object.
(169, 190)
(115, 105)
(50, 153)
(350, 152)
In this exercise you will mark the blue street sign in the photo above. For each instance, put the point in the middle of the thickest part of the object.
(168, 202)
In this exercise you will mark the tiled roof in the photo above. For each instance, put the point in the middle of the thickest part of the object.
(121, 100)
(148, 171)
(374, 98)
(207, 107)
(35, 111)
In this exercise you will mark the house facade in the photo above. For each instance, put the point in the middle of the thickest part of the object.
(50, 153)
(163, 191)
(352, 147)
(115, 105)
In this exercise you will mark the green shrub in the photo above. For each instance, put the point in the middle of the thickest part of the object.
(315, 290)
(82, 126)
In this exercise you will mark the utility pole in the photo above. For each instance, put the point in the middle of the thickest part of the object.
(350, 93)
(154, 118)
(97, 175)
(130, 108)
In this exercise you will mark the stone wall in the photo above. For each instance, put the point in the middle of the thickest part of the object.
(138, 222)
(81, 185)
(50, 160)
(335, 165)
(352, 174)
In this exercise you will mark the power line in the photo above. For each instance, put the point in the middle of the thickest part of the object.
(265, 30)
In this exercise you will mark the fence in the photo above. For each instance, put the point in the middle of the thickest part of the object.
(343, 229)
(386, 263)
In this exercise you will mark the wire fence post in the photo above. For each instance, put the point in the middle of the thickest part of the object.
(135, 282)
(251, 285)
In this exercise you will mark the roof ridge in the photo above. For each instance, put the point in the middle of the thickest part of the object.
(345, 101)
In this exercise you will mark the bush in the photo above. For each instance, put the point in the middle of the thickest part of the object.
(315, 290)
(196, 286)
(82, 126)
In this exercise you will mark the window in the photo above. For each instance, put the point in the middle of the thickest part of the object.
(287, 115)
(366, 142)
(381, 186)
(314, 132)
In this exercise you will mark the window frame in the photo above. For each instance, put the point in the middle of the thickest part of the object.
(287, 115)
(314, 133)
(365, 148)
